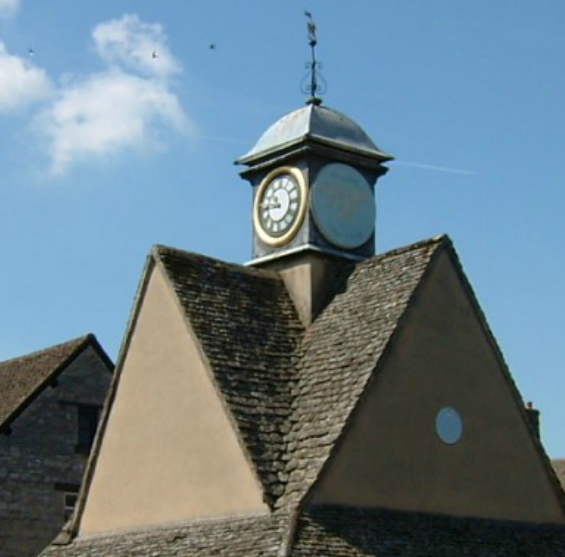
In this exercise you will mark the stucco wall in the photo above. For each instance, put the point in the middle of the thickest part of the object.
(39, 457)
(169, 452)
(392, 457)
(307, 277)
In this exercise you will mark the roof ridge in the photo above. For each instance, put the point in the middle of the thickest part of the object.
(158, 249)
(52, 348)
(438, 239)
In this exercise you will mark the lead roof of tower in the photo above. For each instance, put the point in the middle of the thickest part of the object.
(318, 123)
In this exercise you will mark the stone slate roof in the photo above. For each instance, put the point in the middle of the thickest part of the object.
(341, 350)
(250, 331)
(252, 536)
(559, 467)
(350, 532)
(23, 378)
(329, 531)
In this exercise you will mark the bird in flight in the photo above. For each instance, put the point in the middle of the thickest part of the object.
(154, 55)
(212, 46)
(30, 51)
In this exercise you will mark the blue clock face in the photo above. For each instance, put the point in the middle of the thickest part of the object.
(343, 206)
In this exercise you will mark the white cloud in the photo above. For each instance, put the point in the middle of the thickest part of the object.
(105, 114)
(21, 83)
(8, 7)
(128, 106)
(136, 45)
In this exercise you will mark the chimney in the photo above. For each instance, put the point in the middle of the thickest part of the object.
(533, 417)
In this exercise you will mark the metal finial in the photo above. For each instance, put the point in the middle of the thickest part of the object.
(313, 82)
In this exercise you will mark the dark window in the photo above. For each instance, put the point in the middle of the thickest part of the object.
(70, 497)
(70, 503)
(87, 423)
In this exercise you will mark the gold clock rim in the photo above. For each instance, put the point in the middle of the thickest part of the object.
(264, 236)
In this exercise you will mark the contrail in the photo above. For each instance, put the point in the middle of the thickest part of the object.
(436, 168)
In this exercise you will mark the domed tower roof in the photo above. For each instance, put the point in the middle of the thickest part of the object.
(319, 124)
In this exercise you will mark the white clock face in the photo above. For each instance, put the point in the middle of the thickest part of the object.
(279, 206)
(343, 206)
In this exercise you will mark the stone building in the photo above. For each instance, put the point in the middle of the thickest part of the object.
(322, 400)
(49, 407)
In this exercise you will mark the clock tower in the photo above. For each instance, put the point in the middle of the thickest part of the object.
(313, 174)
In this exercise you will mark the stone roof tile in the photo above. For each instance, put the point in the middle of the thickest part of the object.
(329, 531)
(251, 536)
(249, 329)
(356, 532)
(340, 351)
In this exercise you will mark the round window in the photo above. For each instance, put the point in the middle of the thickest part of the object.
(449, 426)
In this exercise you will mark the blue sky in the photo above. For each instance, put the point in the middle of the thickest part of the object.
(106, 150)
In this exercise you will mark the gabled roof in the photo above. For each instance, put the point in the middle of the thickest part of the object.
(24, 378)
(291, 392)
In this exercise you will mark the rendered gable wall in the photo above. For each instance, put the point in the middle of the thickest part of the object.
(169, 452)
(391, 456)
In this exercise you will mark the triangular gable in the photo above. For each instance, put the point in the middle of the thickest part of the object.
(340, 351)
(442, 358)
(250, 332)
(22, 379)
(167, 450)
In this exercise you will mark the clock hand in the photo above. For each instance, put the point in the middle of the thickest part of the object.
(270, 205)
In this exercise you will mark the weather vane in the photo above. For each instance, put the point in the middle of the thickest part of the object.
(313, 83)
